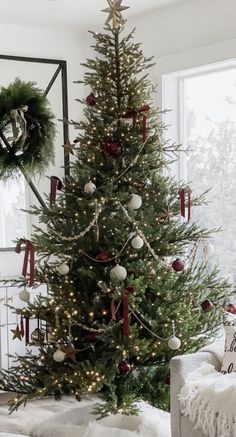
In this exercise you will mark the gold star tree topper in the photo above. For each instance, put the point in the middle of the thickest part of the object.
(114, 11)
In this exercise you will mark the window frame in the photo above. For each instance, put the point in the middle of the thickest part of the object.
(173, 96)
(61, 70)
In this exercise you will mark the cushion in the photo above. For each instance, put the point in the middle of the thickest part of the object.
(217, 347)
(229, 358)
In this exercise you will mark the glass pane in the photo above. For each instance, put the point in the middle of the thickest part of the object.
(210, 132)
(13, 221)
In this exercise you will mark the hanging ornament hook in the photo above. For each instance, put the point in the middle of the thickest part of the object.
(173, 328)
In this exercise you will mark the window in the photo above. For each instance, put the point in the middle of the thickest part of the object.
(14, 223)
(207, 126)
(9, 295)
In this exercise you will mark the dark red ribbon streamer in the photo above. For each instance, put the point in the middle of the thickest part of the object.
(26, 331)
(126, 314)
(113, 310)
(29, 257)
(182, 194)
(22, 330)
(134, 113)
(56, 184)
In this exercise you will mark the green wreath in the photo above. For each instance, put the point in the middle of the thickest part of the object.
(27, 129)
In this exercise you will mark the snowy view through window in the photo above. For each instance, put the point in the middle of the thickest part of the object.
(210, 131)
(13, 221)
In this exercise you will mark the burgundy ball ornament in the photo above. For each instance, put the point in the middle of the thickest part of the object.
(124, 368)
(130, 290)
(231, 308)
(178, 265)
(104, 256)
(91, 99)
(207, 305)
(112, 148)
(91, 337)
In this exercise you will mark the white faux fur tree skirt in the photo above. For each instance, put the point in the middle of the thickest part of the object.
(69, 418)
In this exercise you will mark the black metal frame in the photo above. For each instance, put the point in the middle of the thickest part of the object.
(62, 68)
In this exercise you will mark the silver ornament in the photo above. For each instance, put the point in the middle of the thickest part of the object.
(59, 356)
(90, 188)
(24, 295)
(118, 272)
(37, 336)
(137, 242)
(135, 202)
(174, 343)
(63, 269)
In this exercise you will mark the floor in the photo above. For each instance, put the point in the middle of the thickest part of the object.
(34, 412)
(70, 418)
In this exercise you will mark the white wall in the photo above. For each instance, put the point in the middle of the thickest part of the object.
(187, 34)
(46, 43)
(181, 36)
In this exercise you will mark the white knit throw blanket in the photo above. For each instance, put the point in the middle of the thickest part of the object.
(208, 399)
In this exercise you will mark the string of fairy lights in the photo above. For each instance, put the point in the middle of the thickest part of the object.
(117, 273)
(93, 379)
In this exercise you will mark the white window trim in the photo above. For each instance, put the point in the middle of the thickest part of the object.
(28, 204)
(173, 89)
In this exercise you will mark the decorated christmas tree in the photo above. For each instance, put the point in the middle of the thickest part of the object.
(118, 252)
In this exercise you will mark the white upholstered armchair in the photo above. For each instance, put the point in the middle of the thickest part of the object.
(180, 367)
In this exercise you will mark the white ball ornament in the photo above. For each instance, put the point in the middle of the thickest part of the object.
(24, 295)
(90, 188)
(59, 356)
(135, 202)
(63, 269)
(118, 272)
(174, 343)
(137, 242)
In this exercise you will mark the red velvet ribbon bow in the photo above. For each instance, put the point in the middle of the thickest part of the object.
(56, 184)
(125, 302)
(29, 257)
(134, 113)
(182, 194)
